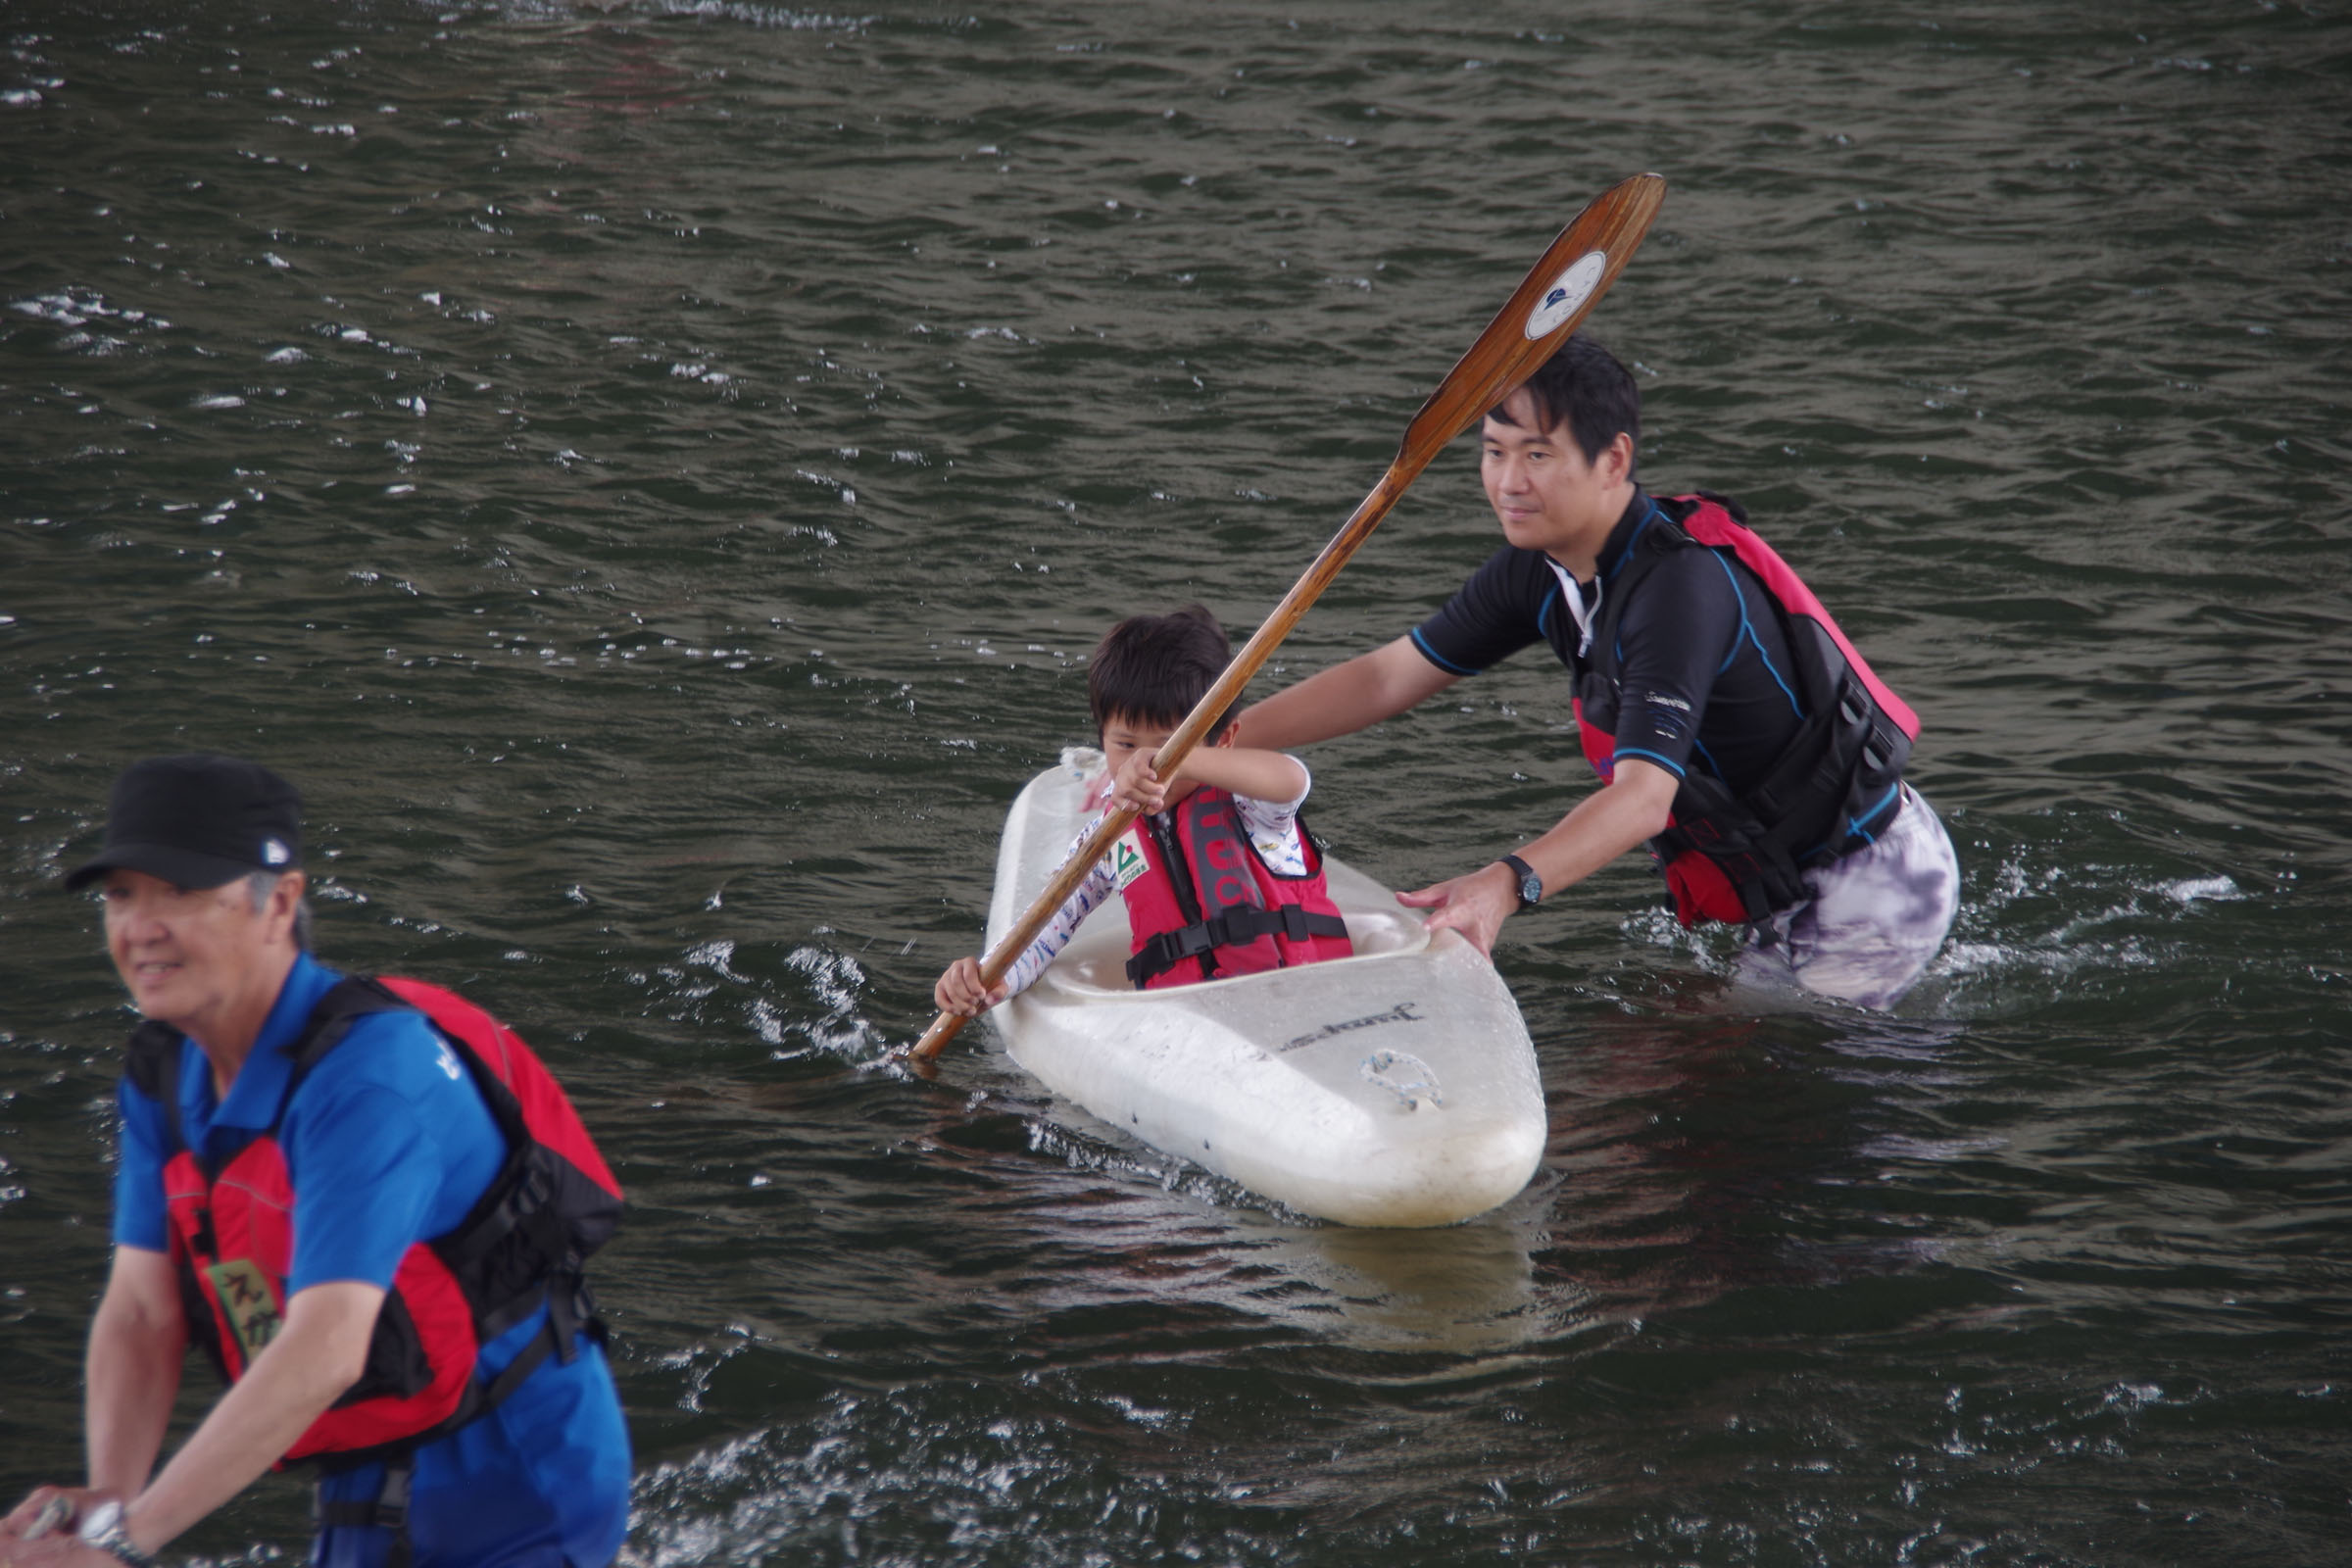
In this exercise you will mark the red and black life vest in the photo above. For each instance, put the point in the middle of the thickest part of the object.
(1207, 904)
(1832, 788)
(553, 1201)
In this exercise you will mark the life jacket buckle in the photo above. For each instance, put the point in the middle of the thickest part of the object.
(392, 1503)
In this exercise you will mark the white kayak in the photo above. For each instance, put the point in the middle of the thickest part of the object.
(1396, 1087)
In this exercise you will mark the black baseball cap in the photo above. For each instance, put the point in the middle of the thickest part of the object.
(198, 821)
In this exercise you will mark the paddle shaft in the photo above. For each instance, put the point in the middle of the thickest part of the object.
(1558, 293)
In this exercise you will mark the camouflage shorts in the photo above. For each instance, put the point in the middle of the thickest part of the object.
(1876, 918)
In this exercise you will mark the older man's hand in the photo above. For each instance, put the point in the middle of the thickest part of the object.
(50, 1510)
(54, 1551)
(39, 1532)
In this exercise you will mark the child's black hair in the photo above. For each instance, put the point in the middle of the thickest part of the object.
(1583, 386)
(1151, 670)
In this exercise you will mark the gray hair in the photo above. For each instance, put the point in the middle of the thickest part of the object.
(262, 884)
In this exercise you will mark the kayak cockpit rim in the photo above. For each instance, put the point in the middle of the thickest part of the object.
(1097, 969)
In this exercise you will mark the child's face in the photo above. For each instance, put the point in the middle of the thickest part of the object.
(1123, 736)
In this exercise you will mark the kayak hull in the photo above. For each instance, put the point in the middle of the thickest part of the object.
(1398, 1087)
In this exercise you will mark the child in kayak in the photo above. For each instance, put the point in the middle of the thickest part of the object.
(1217, 876)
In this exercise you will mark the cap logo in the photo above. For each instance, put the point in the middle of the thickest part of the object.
(274, 852)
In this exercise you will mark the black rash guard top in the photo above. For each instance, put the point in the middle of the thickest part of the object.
(1705, 671)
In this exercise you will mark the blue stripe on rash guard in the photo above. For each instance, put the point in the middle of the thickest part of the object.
(1624, 752)
(1436, 658)
(1654, 512)
(1872, 814)
(1854, 823)
(1748, 631)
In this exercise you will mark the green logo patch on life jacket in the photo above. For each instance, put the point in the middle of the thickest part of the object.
(243, 1291)
(1127, 860)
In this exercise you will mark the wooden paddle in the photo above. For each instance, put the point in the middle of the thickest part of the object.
(1556, 294)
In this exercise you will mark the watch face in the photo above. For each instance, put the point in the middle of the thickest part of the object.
(101, 1519)
(1531, 889)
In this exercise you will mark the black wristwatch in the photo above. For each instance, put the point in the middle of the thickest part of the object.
(1531, 886)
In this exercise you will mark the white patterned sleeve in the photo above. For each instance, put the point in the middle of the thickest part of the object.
(1273, 829)
(1095, 891)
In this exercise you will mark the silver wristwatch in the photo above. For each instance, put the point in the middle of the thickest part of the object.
(103, 1528)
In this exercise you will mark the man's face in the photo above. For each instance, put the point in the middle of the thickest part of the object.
(190, 954)
(1544, 493)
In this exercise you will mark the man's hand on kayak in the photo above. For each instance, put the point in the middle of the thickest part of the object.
(960, 989)
(1636, 805)
(1474, 905)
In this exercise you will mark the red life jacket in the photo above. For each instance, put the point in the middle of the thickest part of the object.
(553, 1201)
(1204, 904)
(1833, 787)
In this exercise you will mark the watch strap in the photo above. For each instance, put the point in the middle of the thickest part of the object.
(106, 1532)
(1525, 875)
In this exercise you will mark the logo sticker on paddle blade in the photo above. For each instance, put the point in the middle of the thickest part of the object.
(1567, 294)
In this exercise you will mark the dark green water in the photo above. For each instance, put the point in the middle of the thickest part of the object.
(650, 472)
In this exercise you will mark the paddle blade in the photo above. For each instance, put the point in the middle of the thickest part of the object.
(1549, 304)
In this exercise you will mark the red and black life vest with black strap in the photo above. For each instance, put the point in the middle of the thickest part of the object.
(523, 1244)
(1832, 788)
(1208, 906)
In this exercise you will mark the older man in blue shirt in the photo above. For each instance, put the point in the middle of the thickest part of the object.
(386, 1142)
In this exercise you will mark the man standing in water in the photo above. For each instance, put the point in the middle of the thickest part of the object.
(1734, 728)
(376, 1234)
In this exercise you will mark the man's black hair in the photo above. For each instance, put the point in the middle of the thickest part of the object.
(1151, 670)
(1583, 386)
